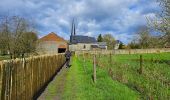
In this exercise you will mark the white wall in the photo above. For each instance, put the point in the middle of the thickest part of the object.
(80, 46)
(49, 47)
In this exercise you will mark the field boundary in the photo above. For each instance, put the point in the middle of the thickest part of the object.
(125, 51)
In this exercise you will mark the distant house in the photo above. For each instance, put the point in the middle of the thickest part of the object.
(117, 44)
(87, 46)
(80, 42)
(51, 44)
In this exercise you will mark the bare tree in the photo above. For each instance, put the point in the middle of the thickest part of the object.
(144, 38)
(16, 36)
(165, 20)
(162, 23)
(27, 42)
(5, 34)
(134, 44)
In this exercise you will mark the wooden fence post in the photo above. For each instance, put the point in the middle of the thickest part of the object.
(94, 68)
(141, 65)
(84, 62)
(110, 58)
(3, 81)
(152, 60)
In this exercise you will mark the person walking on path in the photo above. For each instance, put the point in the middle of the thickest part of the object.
(68, 56)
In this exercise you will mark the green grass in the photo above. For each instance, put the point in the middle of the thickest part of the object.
(56, 87)
(4, 57)
(79, 84)
(117, 79)
(153, 83)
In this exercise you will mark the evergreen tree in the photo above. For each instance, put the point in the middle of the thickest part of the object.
(99, 38)
(121, 45)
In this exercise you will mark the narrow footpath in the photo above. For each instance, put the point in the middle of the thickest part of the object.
(55, 88)
(76, 83)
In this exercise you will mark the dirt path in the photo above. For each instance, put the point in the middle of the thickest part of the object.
(55, 88)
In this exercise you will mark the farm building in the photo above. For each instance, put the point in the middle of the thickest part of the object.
(51, 44)
(80, 42)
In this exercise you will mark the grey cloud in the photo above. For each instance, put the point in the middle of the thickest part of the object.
(92, 16)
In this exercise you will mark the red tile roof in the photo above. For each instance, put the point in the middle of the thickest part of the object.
(52, 37)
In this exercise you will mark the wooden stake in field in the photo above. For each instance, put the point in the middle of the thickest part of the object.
(110, 58)
(84, 62)
(98, 55)
(141, 65)
(94, 68)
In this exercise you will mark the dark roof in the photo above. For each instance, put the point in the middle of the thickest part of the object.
(118, 41)
(82, 39)
(99, 46)
(94, 46)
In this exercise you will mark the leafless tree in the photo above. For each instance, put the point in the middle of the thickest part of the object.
(16, 36)
(162, 23)
(146, 39)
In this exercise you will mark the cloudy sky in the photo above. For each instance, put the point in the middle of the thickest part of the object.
(121, 18)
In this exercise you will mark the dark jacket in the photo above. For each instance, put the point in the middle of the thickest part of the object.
(67, 54)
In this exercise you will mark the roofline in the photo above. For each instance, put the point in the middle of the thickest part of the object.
(40, 39)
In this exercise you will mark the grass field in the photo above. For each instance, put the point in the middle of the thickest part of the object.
(153, 83)
(117, 78)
